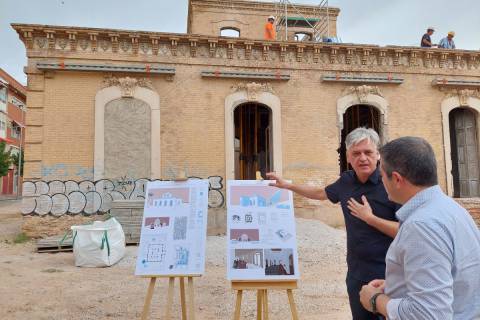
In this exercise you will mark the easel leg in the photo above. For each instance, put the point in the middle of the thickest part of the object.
(148, 299)
(191, 297)
(238, 305)
(182, 298)
(171, 283)
(293, 308)
(259, 304)
(265, 304)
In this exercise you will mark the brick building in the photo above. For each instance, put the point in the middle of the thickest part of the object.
(12, 123)
(115, 106)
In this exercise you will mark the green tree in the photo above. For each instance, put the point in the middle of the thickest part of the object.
(15, 161)
(5, 159)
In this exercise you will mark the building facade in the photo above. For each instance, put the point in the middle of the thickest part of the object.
(12, 123)
(109, 109)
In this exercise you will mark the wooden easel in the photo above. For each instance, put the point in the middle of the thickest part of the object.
(183, 301)
(171, 283)
(262, 288)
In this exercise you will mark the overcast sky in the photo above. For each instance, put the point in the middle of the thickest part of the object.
(382, 22)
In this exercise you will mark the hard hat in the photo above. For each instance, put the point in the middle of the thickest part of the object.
(431, 28)
(271, 17)
(451, 33)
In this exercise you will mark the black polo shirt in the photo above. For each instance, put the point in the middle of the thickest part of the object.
(426, 36)
(366, 246)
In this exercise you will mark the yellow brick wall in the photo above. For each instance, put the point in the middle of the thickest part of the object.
(192, 122)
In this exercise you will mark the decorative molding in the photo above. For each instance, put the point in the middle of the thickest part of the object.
(146, 68)
(245, 75)
(27, 36)
(362, 92)
(155, 46)
(93, 40)
(127, 85)
(48, 41)
(458, 83)
(253, 89)
(461, 94)
(387, 79)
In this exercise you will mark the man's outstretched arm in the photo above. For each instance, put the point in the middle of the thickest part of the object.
(311, 192)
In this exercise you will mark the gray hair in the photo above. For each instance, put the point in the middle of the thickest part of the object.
(360, 134)
(413, 158)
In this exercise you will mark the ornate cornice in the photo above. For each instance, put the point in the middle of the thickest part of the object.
(44, 41)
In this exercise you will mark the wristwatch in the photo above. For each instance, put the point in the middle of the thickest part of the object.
(373, 302)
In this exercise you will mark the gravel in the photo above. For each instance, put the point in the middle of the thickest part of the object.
(115, 293)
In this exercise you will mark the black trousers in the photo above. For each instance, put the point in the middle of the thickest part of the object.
(358, 311)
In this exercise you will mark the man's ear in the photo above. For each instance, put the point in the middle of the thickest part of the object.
(397, 177)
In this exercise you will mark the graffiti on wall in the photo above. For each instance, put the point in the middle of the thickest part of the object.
(88, 197)
(61, 171)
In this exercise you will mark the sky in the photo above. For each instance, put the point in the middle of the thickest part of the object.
(380, 22)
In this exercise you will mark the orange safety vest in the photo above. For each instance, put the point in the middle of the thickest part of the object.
(269, 31)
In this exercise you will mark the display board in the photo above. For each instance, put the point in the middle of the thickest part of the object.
(174, 229)
(260, 232)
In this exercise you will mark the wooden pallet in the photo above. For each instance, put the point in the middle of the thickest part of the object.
(52, 244)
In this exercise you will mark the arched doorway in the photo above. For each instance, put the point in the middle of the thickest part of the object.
(464, 152)
(253, 140)
(359, 115)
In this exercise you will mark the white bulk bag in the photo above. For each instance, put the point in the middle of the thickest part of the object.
(100, 244)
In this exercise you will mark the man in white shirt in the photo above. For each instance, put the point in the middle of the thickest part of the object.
(433, 264)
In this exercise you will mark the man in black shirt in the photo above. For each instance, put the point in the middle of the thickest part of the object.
(426, 41)
(369, 216)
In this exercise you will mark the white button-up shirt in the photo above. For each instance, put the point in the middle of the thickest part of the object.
(433, 264)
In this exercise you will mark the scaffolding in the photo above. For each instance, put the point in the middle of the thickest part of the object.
(312, 27)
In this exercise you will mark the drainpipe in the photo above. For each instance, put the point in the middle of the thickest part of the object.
(20, 157)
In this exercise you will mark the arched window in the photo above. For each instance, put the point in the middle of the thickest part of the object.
(230, 32)
(303, 36)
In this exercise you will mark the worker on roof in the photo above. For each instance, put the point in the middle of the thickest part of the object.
(270, 29)
(447, 42)
(426, 41)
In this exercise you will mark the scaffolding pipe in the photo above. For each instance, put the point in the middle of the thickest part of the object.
(319, 25)
(286, 20)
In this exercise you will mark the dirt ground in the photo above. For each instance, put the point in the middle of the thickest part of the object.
(49, 286)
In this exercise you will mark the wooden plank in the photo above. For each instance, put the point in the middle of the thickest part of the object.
(293, 307)
(148, 299)
(264, 285)
(259, 304)
(52, 250)
(265, 304)
(171, 283)
(191, 297)
(238, 305)
(182, 298)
